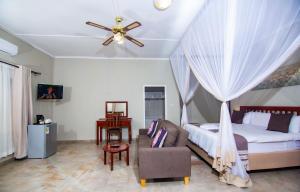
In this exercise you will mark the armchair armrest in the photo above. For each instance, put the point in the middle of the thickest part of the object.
(143, 131)
(164, 162)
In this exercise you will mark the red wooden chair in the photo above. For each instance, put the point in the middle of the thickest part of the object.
(113, 129)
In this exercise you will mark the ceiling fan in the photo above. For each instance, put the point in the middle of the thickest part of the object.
(119, 32)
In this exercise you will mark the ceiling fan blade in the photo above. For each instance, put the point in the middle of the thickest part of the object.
(98, 26)
(132, 26)
(108, 41)
(134, 41)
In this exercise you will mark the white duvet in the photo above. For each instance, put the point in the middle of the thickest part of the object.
(254, 134)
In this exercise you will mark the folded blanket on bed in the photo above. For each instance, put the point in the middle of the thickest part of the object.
(242, 147)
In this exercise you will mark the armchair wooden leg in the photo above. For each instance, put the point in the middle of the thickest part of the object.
(186, 180)
(143, 182)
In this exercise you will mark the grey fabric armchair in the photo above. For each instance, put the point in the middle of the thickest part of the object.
(166, 162)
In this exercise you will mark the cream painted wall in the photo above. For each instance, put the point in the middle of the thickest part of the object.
(204, 108)
(37, 61)
(88, 83)
(285, 96)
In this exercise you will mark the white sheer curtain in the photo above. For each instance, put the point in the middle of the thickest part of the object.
(186, 82)
(22, 109)
(6, 143)
(231, 47)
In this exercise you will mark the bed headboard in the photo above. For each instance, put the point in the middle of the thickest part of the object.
(272, 109)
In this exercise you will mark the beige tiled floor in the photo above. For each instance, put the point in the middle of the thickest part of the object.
(79, 167)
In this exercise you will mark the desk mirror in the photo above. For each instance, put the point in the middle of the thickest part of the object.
(116, 108)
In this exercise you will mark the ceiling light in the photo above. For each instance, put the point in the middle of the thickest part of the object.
(120, 42)
(119, 38)
(162, 4)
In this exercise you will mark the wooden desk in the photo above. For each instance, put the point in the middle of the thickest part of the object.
(102, 124)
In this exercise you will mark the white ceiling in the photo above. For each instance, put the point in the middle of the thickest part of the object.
(58, 27)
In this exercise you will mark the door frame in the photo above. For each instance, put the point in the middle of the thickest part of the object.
(166, 101)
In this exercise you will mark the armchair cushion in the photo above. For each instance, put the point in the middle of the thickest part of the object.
(152, 129)
(159, 138)
(171, 137)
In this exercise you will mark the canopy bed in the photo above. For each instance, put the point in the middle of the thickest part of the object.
(266, 149)
(230, 48)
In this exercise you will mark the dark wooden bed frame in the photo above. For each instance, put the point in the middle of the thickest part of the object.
(259, 161)
(272, 109)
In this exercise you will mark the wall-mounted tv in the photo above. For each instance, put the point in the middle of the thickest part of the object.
(46, 91)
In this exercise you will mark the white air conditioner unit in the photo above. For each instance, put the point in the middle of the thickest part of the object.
(8, 47)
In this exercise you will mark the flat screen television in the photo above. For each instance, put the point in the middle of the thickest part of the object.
(46, 91)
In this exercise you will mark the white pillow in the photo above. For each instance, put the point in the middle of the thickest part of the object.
(247, 118)
(295, 124)
(260, 119)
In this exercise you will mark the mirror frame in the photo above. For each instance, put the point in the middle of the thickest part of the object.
(107, 102)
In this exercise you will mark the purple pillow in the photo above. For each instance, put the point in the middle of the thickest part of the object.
(280, 122)
(152, 129)
(159, 138)
(237, 117)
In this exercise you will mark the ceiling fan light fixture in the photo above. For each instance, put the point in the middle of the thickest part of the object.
(119, 38)
(162, 4)
(121, 41)
(119, 32)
